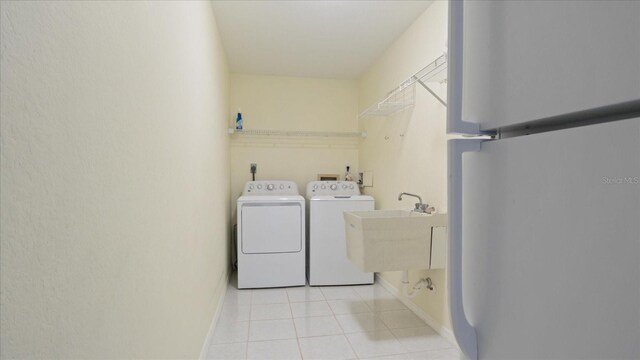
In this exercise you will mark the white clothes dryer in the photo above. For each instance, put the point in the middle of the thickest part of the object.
(271, 235)
(326, 241)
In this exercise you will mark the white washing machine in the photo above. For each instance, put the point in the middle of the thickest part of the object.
(271, 235)
(327, 248)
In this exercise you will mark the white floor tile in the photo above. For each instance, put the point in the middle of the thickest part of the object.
(275, 350)
(301, 294)
(237, 351)
(421, 339)
(447, 354)
(351, 323)
(340, 293)
(317, 326)
(361, 288)
(377, 343)
(390, 357)
(374, 291)
(270, 312)
(312, 308)
(311, 323)
(340, 307)
(378, 305)
(271, 330)
(269, 296)
(230, 332)
(398, 319)
(326, 347)
(234, 312)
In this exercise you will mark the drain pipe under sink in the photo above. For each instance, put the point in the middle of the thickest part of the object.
(424, 283)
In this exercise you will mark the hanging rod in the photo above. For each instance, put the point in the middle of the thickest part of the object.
(403, 96)
(299, 133)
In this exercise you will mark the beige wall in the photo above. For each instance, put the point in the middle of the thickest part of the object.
(407, 151)
(287, 103)
(114, 224)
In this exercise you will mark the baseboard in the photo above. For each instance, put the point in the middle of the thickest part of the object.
(224, 281)
(443, 331)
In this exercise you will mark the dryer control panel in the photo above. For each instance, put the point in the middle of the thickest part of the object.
(332, 188)
(270, 187)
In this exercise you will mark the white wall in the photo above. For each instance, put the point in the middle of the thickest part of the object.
(287, 103)
(407, 151)
(115, 175)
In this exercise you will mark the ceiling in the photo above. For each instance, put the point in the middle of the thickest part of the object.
(323, 39)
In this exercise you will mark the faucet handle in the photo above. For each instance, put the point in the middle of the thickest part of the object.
(420, 207)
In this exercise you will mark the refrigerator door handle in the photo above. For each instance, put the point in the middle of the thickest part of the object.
(464, 333)
(455, 123)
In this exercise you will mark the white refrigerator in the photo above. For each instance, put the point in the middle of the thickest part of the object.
(544, 210)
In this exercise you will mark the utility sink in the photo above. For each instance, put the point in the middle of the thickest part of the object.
(390, 240)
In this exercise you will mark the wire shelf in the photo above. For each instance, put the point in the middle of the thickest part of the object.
(404, 95)
(334, 134)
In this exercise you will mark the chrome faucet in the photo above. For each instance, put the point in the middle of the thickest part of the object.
(420, 207)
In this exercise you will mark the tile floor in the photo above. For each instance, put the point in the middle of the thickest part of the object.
(329, 323)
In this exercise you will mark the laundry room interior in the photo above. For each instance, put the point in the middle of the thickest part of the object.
(377, 120)
(284, 179)
(402, 151)
(322, 127)
(319, 85)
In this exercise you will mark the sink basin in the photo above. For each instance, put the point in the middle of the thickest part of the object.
(390, 240)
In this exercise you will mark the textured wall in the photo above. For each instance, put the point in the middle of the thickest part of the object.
(288, 103)
(407, 151)
(115, 178)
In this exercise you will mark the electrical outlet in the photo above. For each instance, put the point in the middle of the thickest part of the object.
(254, 168)
(367, 178)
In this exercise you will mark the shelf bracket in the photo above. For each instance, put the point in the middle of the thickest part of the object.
(431, 92)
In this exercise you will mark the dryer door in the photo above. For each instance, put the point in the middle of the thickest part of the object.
(271, 228)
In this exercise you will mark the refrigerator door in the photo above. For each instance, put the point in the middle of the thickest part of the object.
(531, 60)
(551, 244)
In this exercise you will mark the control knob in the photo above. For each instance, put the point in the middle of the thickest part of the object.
(334, 186)
(270, 187)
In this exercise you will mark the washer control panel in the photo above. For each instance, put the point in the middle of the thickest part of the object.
(270, 187)
(332, 188)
